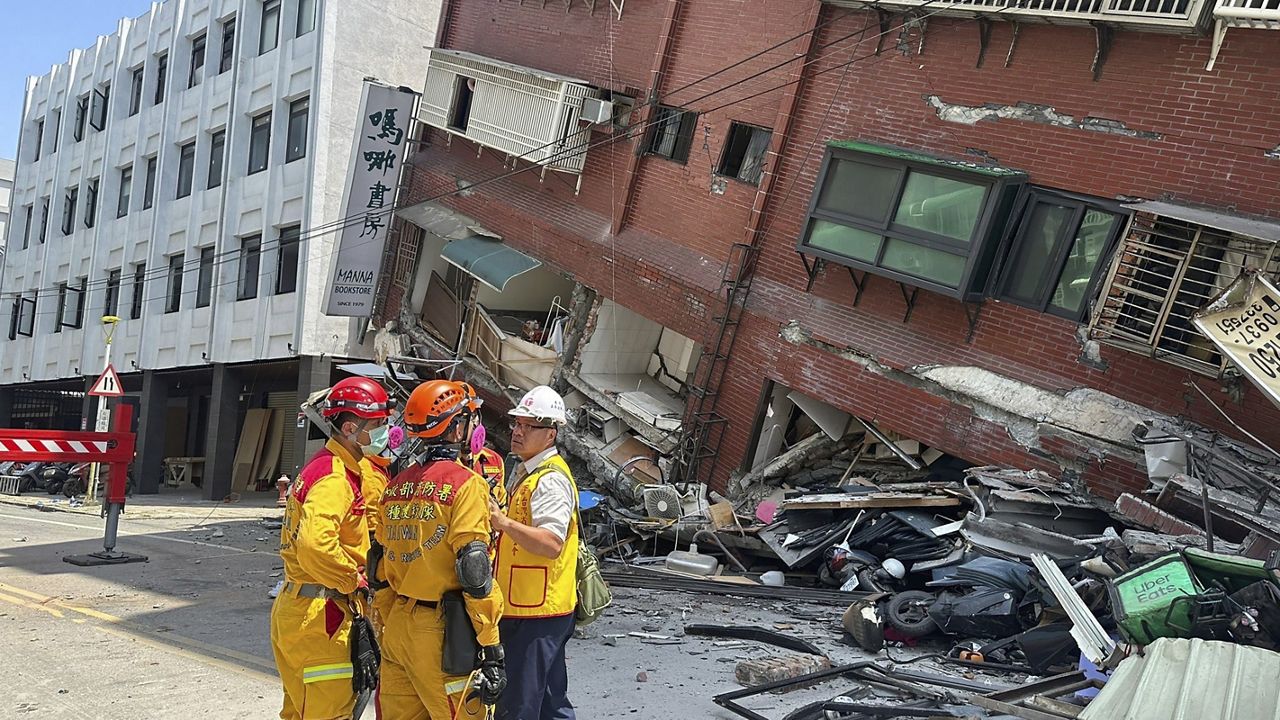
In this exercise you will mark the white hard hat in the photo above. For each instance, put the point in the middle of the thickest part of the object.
(542, 404)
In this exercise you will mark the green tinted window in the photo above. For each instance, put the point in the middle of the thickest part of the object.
(922, 262)
(1035, 253)
(859, 189)
(941, 206)
(1083, 258)
(844, 240)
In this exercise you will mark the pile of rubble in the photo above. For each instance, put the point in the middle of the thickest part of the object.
(1062, 602)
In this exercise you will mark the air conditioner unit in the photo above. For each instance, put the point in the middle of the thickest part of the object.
(597, 111)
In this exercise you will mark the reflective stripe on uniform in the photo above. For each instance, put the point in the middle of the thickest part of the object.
(317, 673)
(455, 687)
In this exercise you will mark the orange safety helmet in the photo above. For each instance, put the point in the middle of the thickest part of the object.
(433, 406)
(359, 396)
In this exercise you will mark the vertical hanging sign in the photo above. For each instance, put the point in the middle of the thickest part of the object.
(381, 137)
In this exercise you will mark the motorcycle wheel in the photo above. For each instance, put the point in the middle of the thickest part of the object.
(72, 487)
(908, 613)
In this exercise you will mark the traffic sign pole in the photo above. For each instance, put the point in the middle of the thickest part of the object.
(104, 417)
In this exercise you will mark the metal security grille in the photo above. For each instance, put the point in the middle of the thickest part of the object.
(516, 110)
(1166, 270)
(1171, 14)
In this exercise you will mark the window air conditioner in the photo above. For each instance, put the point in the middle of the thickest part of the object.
(597, 111)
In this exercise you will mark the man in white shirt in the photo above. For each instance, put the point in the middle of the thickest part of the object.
(536, 563)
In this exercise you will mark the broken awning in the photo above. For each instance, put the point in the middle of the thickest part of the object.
(1238, 224)
(488, 260)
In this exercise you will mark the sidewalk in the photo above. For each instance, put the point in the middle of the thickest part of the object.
(184, 503)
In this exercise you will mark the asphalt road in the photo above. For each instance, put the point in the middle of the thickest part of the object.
(185, 635)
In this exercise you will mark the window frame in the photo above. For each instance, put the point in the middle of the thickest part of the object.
(217, 158)
(199, 48)
(111, 298)
(92, 186)
(204, 278)
(57, 130)
(149, 182)
(82, 117)
(288, 237)
(62, 308)
(227, 48)
(265, 136)
(683, 143)
(751, 129)
(173, 289)
(305, 5)
(186, 169)
(268, 8)
(45, 202)
(290, 154)
(162, 77)
(26, 226)
(99, 107)
(247, 283)
(22, 313)
(1016, 235)
(39, 133)
(124, 192)
(137, 81)
(978, 253)
(136, 298)
(69, 200)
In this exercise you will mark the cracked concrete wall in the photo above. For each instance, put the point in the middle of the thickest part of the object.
(1033, 113)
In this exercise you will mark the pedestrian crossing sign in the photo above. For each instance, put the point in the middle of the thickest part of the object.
(108, 384)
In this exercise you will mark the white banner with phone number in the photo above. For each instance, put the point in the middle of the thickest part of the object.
(1243, 321)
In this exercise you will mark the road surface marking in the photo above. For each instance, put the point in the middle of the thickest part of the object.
(260, 668)
(125, 533)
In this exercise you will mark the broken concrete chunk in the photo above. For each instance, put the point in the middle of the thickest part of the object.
(759, 671)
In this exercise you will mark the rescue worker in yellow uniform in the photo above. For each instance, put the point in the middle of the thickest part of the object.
(537, 563)
(434, 527)
(323, 543)
(484, 460)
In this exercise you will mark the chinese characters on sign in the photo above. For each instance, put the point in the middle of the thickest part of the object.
(371, 191)
(1244, 322)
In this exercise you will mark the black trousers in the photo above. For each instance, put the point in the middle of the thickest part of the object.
(537, 680)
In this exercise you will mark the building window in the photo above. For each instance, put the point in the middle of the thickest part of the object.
(259, 143)
(250, 260)
(196, 73)
(139, 283)
(186, 168)
(296, 143)
(62, 307)
(44, 218)
(204, 278)
(920, 220)
(744, 152)
(306, 17)
(73, 310)
(26, 227)
(69, 210)
(671, 133)
(1059, 250)
(149, 185)
(126, 189)
(1164, 271)
(101, 101)
(269, 31)
(227, 50)
(24, 318)
(90, 202)
(82, 115)
(135, 89)
(162, 77)
(57, 128)
(217, 153)
(173, 298)
(111, 302)
(464, 92)
(39, 133)
(287, 260)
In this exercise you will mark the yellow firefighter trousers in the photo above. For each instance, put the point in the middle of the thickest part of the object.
(309, 637)
(413, 686)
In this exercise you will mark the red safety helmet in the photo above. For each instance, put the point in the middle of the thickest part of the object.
(359, 396)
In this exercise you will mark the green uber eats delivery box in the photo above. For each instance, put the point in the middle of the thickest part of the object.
(1141, 598)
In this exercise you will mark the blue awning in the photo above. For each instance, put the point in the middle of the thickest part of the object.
(488, 260)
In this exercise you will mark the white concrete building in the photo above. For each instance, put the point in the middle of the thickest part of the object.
(6, 199)
(180, 174)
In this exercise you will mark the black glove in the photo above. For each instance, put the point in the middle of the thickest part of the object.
(366, 657)
(492, 676)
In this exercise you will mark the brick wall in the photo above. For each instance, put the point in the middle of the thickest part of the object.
(1197, 137)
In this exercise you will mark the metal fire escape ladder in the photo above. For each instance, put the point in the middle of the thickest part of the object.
(703, 427)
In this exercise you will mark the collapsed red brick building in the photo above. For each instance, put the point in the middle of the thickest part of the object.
(982, 227)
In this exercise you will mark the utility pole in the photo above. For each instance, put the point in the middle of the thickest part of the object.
(103, 423)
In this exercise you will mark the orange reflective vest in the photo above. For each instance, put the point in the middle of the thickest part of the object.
(535, 586)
